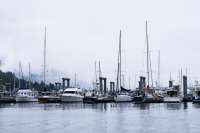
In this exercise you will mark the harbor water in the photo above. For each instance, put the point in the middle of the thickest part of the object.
(100, 118)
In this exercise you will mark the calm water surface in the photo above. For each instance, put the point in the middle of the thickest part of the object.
(99, 118)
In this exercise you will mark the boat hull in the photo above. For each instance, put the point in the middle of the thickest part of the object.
(49, 99)
(90, 99)
(7, 99)
(71, 98)
(26, 99)
(123, 98)
(172, 99)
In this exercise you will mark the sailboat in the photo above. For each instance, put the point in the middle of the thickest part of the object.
(27, 94)
(47, 97)
(121, 96)
(149, 92)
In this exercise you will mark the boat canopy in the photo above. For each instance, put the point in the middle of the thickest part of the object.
(72, 90)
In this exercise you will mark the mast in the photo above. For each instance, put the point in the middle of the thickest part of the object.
(75, 80)
(29, 76)
(120, 60)
(95, 73)
(14, 82)
(100, 69)
(147, 42)
(158, 69)
(181, 77)
(119, 74)
(44, 71)
(100, 74)
(19, 75)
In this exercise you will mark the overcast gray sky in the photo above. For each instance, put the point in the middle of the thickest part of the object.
(82, 31)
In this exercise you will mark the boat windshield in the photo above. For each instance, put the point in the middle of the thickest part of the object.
(172, 93)
(69, 92)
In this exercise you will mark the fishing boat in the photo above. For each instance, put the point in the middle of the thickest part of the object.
(72, 95)
(121, 96)
(172, 96)
(26, 95)
(48, 97)
(196, 95)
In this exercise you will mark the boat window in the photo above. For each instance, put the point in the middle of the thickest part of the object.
(70, 92)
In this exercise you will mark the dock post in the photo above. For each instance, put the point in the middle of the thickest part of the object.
(170, 83)
(101, 84)
(105, 86)
(185, 87)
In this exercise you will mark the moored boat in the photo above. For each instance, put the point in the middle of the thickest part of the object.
(196, 95)
(123, 97)
(72, 95)
(49, 98)
(172, 96)
(26, 95)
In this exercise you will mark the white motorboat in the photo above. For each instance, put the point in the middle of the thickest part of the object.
(172, 96)
(72, 95)
(123, 98)
(26, 95)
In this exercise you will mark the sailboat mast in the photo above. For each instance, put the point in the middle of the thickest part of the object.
(14, 81)
(29, 77)
(158, 68)
(44, 71)
(95, 73)
(99, 69)
(120, 60)
(119, 66)
(75, 79)
(19, 75)
(147, 42)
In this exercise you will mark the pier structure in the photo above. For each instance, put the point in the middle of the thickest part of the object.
(58, 85)
(142, 83)
(171, 83)
(103, 86)
(112, 87)
(186, 98)
(68, 82)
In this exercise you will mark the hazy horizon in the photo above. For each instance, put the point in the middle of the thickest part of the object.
(82, 32)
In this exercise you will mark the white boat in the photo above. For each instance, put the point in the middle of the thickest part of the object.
(196, 95)
(26, 95)
(72, 95)
(172, 96)
(122, 98)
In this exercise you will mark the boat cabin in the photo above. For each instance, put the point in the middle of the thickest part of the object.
(72, 91)
(27, 92)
